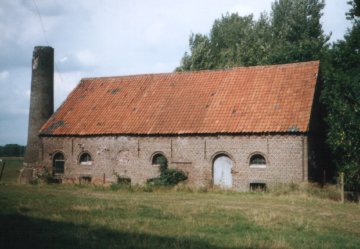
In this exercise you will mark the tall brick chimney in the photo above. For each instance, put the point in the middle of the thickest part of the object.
(41, 100)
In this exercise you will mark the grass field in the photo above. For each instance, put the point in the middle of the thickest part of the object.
(86, 216)
(11, 169)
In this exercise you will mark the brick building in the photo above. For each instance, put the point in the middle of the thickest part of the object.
(235, 128)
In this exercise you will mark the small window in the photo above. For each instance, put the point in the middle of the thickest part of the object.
(257, 161)
(58, 163)
(160, 159)
(258, 187)
(85, 179)
(85, 159)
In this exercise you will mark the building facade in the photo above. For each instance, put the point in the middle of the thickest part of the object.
(283, 158)
(237, 128)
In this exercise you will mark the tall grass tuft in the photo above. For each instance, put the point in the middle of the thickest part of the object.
(330, 192)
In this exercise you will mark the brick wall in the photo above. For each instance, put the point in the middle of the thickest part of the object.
(286, 157)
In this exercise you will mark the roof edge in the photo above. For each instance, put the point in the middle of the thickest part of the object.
(179, 135)
(205, 70)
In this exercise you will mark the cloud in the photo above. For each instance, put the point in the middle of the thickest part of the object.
(13, 98)
(86, 58)
(4, 75)
(155, 33)
(82, 60)
(45, 7)
(105, 38)
(13, 128)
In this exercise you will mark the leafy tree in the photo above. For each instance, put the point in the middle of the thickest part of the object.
(292, 32)
(342, 99)
(228, 37)
(297, 31)
(14, 150)
(200, 57)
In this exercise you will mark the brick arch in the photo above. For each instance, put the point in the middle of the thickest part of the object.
(157, 153)
(258, 153)
(82, 153)
(53, 154)
(220, 153)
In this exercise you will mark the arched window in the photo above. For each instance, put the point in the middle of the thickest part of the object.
(257, 161)
(85, 159)
(58, 163)
(160, 159)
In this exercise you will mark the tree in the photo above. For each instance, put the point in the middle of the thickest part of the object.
(10, 150)
(297, 31)
(342, 99)
(292, 32)
(228, 37)
(200, 57)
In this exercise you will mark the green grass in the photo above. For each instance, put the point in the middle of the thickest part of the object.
(11, 169)
(87, 216)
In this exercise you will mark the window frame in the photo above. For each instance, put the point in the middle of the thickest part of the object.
(255, 165)
(56, 160)
(85, 163)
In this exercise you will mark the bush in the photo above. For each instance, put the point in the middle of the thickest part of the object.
(168, 177)
(43, 175)
(122, 182)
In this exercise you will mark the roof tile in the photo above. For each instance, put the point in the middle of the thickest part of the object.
(274, 98)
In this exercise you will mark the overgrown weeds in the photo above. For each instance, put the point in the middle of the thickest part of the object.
(330, 192)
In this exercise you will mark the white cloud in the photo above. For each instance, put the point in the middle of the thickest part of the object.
(86, 58)
(4, 75)
(155, 33)
(334, 19)
(64, 59)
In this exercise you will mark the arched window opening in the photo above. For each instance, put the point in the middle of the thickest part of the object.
(258, 161)
(160, 159)
(58, 163)
(85, 159)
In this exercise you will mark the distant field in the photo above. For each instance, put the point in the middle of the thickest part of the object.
(86, 216)
(12, 169)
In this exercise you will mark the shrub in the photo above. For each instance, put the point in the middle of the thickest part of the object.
(168, 177)
(121, 182)
(43, 175)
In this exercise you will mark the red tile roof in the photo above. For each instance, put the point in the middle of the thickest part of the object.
(240, 100)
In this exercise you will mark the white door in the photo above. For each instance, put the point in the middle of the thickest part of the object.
(222, 172)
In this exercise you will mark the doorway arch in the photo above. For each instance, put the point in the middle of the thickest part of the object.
(222, 166)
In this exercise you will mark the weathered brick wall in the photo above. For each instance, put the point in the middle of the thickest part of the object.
(286, 157)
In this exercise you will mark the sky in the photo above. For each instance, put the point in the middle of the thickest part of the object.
(95, 38)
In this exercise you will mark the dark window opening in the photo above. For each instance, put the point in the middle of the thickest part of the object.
(258, 187)
(85, 159)
(85, 179)
(160, 159)
(257, 159)
(58, 163)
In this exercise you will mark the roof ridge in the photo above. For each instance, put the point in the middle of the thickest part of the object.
(204, 70)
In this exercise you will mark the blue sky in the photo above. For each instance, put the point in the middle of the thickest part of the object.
(107, 38)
